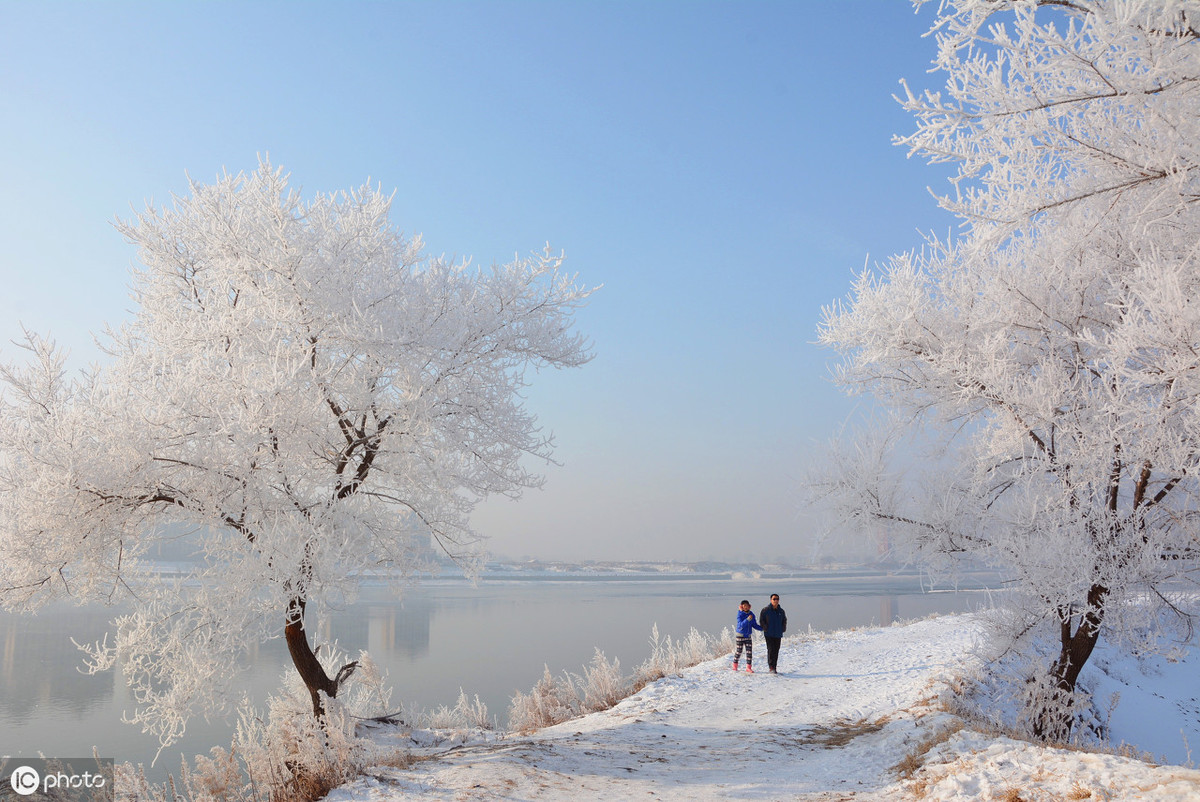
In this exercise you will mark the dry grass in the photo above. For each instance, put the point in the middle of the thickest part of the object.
(915, 759)
(1079, 791)
(841, 733)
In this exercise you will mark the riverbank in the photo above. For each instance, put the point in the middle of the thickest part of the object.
(440, 637)
(852, 715)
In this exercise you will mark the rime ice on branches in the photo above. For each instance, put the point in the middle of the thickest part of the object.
(1051, 353)
(305, 394)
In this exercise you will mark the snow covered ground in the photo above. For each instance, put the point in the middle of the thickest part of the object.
(852, 715)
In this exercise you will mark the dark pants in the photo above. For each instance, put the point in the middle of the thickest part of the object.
(772, 652)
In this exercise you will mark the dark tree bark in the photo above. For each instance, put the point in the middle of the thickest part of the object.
(1053, 721)
(305, 660)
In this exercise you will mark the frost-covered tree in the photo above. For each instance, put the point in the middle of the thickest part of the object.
(1052, 350)
(305, 394)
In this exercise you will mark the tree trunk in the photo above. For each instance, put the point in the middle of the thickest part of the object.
(305, 659)
(1054, 721)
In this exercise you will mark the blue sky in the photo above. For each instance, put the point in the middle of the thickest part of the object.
(722, 168)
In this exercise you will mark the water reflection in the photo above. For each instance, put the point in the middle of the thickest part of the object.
(380, 627)
(889, 609)
(40, 667)
(392, 629)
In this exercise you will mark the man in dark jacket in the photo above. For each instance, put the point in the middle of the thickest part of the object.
(774, 623)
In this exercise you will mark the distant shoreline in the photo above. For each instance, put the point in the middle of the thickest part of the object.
(545, 572)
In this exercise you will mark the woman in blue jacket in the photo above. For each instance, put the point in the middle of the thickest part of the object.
(743, 630)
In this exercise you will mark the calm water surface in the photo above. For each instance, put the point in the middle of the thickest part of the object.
(491, 640)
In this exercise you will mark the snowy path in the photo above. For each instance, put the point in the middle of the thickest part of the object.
(845, 709)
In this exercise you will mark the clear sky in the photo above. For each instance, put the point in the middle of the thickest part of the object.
(722, 168)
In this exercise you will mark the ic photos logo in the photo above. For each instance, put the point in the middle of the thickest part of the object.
(25, 780)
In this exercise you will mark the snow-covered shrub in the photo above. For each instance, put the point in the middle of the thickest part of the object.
(300, 756)
(284, 754)
(131, 785)
(551, 701)
(602, 684)
(467, 714)
(557, 699)
(668, 656)
(219, 778)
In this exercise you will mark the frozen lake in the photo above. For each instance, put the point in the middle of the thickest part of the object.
(490, 640)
